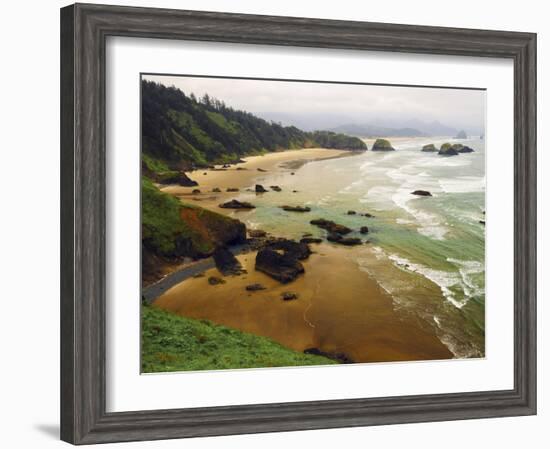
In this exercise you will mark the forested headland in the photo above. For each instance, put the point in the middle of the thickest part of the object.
(181, 132)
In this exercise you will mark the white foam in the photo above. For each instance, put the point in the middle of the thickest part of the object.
(444, 279)
(429, 224)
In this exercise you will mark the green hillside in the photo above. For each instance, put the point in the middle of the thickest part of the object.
(173, 343)
(180, 131)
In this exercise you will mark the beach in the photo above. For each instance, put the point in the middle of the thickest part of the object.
(348, 300)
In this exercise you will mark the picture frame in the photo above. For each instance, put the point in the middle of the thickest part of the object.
(84, 29)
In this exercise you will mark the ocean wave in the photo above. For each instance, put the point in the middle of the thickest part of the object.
(402, 290)
(443, 279)
(468, 269)
(429, 224)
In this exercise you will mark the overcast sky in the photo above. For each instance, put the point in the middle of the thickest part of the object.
(331, 105)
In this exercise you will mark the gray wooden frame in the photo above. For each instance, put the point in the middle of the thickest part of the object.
(84, 29)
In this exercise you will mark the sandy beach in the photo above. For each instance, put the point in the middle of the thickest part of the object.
(336, 310)
(339, 308)
(246, 174)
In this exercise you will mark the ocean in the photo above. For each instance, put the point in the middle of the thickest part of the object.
(428, 253)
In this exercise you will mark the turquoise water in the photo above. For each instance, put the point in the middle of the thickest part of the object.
(428, 253)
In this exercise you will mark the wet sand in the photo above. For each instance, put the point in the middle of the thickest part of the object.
(338, 309)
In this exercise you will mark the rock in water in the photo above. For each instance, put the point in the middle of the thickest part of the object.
(461, 135)
(364, 230)
(226, 262)
(235, 204)
(351, 212)
(421, 193)
(260, 188)
(447, 150)
(281, 267)
(232, 189)
(296, 208)
(349, 241)
(466, 149)
(275, 188)
(216, 190)
(310, 240)
(382, 145)
(256, 233)
(430, 148)
(330, 226)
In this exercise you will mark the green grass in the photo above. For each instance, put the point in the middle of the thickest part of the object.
(154, 165)
(170, 342)
(160, 218)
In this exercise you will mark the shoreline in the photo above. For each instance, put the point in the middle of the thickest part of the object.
(334, 312)
(245, 174)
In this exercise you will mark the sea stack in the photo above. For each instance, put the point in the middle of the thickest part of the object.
(447, 150)
(382, 145)
(461, 135)
(430, 148)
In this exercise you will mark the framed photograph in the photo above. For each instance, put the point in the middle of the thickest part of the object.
(274, 223)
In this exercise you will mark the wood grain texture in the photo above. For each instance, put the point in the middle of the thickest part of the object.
(84, 29)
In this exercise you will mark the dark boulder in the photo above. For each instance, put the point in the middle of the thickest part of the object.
(256, 233)
(421, 193)
(235, 204)
(333, 237)
(364, 230)
(296, 208)
(289, 296)
(366, 214)
(466, 149)
(349, 241)
(351, 212)
(275, 188)
(281, 267)
(260, 188)
(330, 226)
(299, 251)
(196, 191)
(430, 148)
(179, 178)
(254, 287)
(226, 262)
(447, 150)
(261, 169)
(213, 280)
(232, 189)
(310, 240)
(216, 190)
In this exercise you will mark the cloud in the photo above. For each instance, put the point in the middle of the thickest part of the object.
(340, 103)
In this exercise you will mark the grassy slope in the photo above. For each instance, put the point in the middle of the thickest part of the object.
(173, 343)
(164, 219)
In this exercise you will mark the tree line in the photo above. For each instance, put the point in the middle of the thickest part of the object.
(182, 130)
